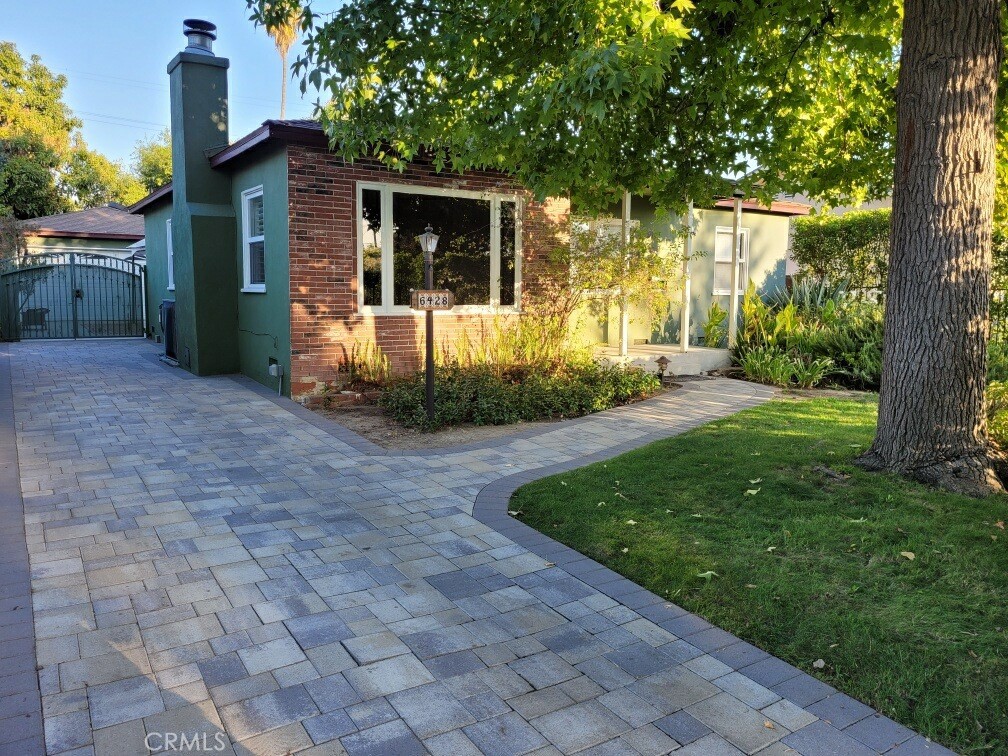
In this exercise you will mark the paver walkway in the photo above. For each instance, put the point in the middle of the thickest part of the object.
(211, 563)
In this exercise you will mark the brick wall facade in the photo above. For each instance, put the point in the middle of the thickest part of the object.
(325, 322)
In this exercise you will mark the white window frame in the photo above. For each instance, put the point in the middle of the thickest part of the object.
(388, 307)
(247, 240)
(170, 256)
(743, 279)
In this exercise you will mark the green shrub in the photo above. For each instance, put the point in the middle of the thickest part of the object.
(770, 364)
(481, 395)
(818, 333)
(997, 412)
(997, 361)
(852, 247)
(715, 328)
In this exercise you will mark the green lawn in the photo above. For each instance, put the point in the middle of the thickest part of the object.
(809, 566)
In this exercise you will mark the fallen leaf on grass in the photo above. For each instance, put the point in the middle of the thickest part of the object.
(707, 575)
(859, 520)
(755, 481)
(771, 548)
(999, 524)
(819, 664)
(749, 585)
(631, 522)
(514, 513)
(625, 550)
(908, 555)
(752, 491)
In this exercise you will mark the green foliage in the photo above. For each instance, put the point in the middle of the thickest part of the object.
(587, 97)
(366, 365)
(45, 167)
(852, 248)
(715, 327)
(35, 134)
(806, 337)
(481, 395)
(536, 341)
(768, 364)
(639, 275)
(997, 361)
(13, 241)
(90, 180)
(997, 411)
(810, 567)
(152, 161)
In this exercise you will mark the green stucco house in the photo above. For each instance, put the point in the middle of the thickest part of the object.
(275, 257)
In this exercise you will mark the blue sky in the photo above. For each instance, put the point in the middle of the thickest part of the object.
(114, 54)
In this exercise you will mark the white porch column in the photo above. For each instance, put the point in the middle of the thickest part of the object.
(624, 325)
(684, 314)
(733, 302)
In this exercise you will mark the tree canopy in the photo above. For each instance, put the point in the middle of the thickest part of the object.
(589, 97)
(45, 165)
(152, 161)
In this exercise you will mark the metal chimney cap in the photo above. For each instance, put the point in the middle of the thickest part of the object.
(200, 34)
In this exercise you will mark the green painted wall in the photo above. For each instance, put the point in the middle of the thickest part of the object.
(203, 222)
(115, 247)
(768, 245)
(264, 318)
(155, 227)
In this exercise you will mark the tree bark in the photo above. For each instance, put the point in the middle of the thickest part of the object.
(932, 422)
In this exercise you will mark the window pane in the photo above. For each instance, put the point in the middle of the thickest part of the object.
(507, 248)
(722, 246)
(370, 230)
(462, 258)
(255, 216)
(257, 263)
(722, 276)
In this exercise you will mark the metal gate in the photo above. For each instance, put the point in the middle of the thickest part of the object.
(71, 295)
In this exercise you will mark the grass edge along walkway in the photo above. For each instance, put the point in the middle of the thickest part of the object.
(761, 524)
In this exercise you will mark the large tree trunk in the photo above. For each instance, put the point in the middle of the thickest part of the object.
(932, 421)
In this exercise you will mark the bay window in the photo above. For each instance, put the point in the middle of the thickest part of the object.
(478, 255)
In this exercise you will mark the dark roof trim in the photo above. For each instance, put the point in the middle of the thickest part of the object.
(154, 197)
(777, 207)
(57, 234)
(301, 132)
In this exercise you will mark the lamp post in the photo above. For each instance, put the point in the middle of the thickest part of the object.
(428, 243)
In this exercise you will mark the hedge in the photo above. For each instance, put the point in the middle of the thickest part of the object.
(853, 247)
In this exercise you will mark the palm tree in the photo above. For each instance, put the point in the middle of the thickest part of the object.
(284, 31)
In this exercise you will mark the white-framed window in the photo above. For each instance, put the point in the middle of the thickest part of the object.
(171, 256)
(723, 260)
(253, 241)
(478, 256)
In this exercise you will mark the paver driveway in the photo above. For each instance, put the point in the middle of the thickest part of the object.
(207, 562)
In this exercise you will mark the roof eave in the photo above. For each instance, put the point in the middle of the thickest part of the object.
(51, 233)
(270, 130)
(153, 198)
